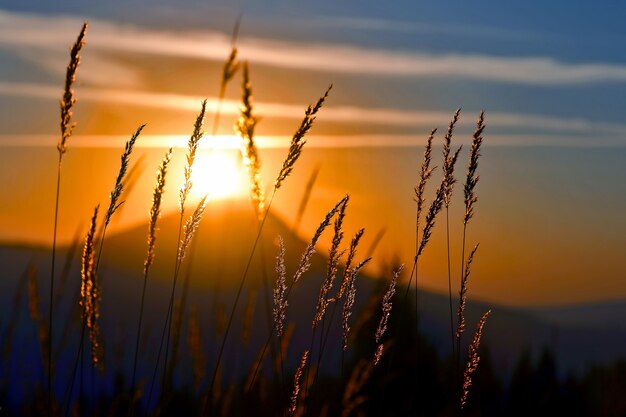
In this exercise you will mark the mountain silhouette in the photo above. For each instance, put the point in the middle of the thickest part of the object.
(215, 264)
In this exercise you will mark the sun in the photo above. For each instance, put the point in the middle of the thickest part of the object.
(217, 173)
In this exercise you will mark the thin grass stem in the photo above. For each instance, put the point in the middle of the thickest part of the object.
(239, 290)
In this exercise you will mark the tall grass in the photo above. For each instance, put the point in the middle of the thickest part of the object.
(348, 285)
(183, 194)
(323, 299)
(474, 359)
(296, 384)
(245, 127)
(155, 212)
(229, 70)
(383, 336)
(87, 300)
(295, 150)
(303, 266)
(91, 321)
(280, 300)
(470, 197)
(250, 155)
(425, 173)
(449, 161)
(67, 128)
(387, 305)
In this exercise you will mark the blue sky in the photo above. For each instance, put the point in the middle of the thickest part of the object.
(561, 61)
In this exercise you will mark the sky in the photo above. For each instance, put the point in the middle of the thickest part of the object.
(551, 77)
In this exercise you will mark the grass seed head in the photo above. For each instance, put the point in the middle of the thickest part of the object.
(155, 210)
(463, 293)
(387, 305)
(425, 173)
(249, 152)
(192, 148)
(280, 290)
(449, 161)
(472, 177)
(473, 358)
(305, 261)
(348, 303)
(116, 194)
(296, 383)
(298, 140)
(69, 99)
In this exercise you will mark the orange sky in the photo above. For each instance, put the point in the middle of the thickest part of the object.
(534, 247)
(550, 216)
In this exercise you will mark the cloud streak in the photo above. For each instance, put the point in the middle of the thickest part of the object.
(337, 114)
(22, 30)
(314, 141)
(421, 28)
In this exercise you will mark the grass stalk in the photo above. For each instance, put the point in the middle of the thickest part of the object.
(296, 385)
(449, 161)
(114, 205)
(52, 270)
(231, 65)
(88, 299)
(183, 194)
(155, 212)
(67, 127)
(295, 149)
(470, 199)
(246, 125)
(188, 233)
(304, 201)
(349, 290)
(239, 291)
(167, 327)
(303, 266)
(473, 359)
(449, 279)
(425, 173)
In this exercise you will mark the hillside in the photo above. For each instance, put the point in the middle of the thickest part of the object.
(224, 242)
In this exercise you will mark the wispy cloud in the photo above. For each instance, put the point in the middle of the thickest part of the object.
(45, 42)
(422, 28)
(21, 30)
(314, 141)
(338, 114)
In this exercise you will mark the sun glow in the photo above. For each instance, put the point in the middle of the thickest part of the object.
(218, 173)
